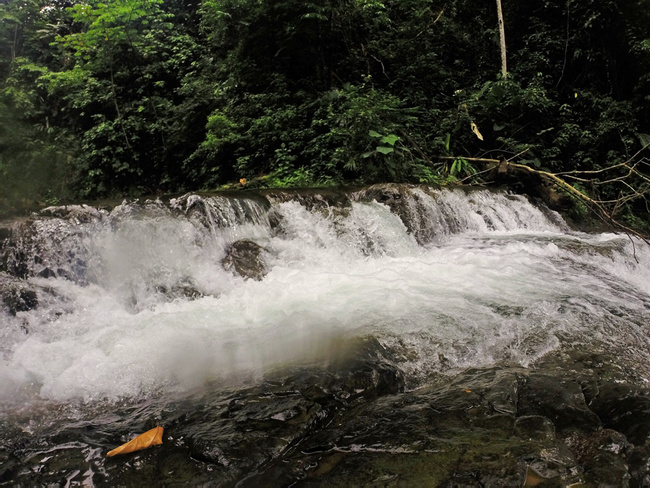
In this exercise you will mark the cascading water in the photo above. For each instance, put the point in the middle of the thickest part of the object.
(156, 304)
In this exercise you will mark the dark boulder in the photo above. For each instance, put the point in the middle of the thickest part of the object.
(562, 402)
(623, 407)
(246, 258)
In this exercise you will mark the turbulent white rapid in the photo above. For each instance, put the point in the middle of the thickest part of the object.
(142, 299)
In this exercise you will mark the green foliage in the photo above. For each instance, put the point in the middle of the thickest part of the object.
(299, 178)
(34, 158)
(461, 169)
(133, 96)
(116, 88)
(357, 126)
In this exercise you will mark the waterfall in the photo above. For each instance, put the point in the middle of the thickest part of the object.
(138, 298)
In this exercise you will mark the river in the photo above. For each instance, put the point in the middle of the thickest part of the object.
(385, 336)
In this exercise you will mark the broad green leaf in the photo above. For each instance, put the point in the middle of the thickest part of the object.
(390, 139)
(385, 149)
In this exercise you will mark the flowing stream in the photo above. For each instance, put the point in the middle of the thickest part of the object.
(219, 316)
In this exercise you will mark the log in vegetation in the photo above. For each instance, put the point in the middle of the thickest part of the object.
(130, 97)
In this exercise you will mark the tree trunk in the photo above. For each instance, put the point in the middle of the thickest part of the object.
(502, 39)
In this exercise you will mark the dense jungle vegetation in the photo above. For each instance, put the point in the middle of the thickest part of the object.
(132, 97)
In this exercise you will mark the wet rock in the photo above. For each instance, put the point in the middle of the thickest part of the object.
(468, 431)
(639, 461)
(17, 296)
(47, 247)
(602, 456)
(534, 427)
(249, 430)
(181, 289)
(352, 424)
(246, 258)
(8, 468)
(359, 369)
(562, 402)
(406, 202)
(13, 255)
(78, 213)
(240, 433)
(368, 380)
(439, 436)
(622, 407)
(225, 209)
(313, 199)
(5, 231)
(275, 222)
(46, 273)
(249, 433)
(328, 203)
(394, 196)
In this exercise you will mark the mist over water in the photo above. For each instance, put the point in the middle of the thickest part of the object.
(444, 280)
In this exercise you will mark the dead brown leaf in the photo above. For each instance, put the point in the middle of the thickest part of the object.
(150, 438)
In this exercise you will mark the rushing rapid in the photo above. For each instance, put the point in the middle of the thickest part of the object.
(138, 301)
(391, 334)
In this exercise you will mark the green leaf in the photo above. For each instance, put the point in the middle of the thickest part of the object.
(373, 133)
(385, 149)
(390, 139)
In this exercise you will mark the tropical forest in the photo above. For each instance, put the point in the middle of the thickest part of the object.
(134, 97)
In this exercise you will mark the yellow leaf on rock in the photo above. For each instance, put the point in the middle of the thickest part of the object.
(150, 438)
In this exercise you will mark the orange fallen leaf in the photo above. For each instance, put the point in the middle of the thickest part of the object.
(150, 438)
(467, 391)
(243, 181)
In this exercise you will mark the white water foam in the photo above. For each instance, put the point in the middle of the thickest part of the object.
(510, 287)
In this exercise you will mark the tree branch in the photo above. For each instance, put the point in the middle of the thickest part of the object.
(605, 209)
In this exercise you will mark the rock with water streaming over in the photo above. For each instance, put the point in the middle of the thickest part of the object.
(17, 295)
